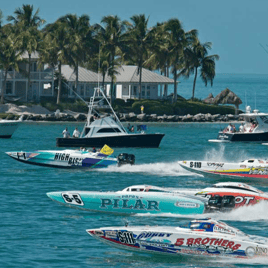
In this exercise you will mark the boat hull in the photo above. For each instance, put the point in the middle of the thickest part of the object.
(7, 128)
(225, 170)
(170, 241)
(243, 137)
(129, 203)
(129, 140)
(63, 159)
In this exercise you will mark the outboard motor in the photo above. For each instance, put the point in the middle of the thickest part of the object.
(124, 159)
(221, 203)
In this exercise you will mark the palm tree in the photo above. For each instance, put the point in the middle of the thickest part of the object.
(80, 38)
(55, 49)
(159, 58)
(111, 38)
(139, 42)
(26, 26)
(196, 56)
(9, 56)
(177, 40)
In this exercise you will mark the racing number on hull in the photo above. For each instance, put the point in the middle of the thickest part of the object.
(74, 199)
(195, 164)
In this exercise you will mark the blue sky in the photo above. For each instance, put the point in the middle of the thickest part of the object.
(235, 27)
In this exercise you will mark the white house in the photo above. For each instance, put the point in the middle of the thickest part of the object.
(42, 80)
(127, 82)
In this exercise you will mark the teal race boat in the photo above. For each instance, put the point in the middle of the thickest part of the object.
(132, 200)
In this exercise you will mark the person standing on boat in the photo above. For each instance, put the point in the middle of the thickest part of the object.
(66, 133)
(76, 133)
(241, 128)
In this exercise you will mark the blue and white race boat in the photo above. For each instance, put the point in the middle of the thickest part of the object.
(203, 237)
(67, 158)
(133, 200)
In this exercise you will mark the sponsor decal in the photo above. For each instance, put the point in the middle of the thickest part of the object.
(221, 229)
(111, 234)
(210, 164)
(243, 199)
(126, 237)
(243, 166)
(152, 234)
(153, 244)
(74, 199)
(213, 243)
(195, 164)
(73, 161)
(260, 251)
(124, 204)
(97, 232)
(187, 205)
(258, 171)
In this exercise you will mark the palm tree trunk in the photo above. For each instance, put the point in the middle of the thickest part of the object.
(29, 77)
(4, 87)
(59, 85)
(140, 82)
(195, 76)
(175, 86)
(76, 79)
(111, 91)
(103, 81)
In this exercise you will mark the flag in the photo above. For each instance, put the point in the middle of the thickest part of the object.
(106, 150)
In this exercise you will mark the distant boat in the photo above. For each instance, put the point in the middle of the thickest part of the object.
(108, 130)
(8, 127)
(255, 129)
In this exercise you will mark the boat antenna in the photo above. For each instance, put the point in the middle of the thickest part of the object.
(99, 69)
(255, 100)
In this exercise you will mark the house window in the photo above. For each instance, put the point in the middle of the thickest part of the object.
(143, 91)
(125, 91)
(82, 90)
(9, 85)
(47, 89)
(135, 90)
(34, 66)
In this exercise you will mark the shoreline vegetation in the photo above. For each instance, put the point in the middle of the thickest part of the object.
(154, 111)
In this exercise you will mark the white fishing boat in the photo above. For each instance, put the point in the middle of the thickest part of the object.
(254, 129)
(109, 130)
(251, 168)
(205, 237)
(8, 127)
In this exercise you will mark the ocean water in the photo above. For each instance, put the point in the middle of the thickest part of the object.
(36, 232)
(252, 89)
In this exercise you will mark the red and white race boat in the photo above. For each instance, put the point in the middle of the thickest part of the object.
(229, 195)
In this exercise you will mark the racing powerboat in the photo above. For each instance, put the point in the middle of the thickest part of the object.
(251, 168)
(205, 237)
(8, 127)
(108, 129)
(220, 197)
(230, 195)
(72, 158)
(255, 129)
(132, 200)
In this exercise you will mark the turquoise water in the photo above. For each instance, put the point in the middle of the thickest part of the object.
(36, 232)
(251, 88)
